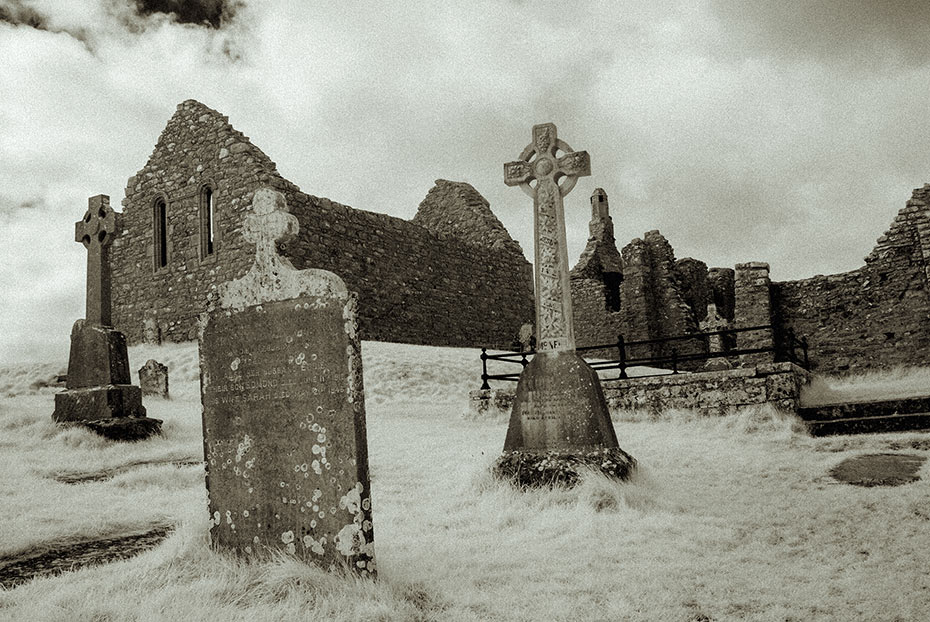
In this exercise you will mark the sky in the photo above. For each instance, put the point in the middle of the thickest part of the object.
(789, 132)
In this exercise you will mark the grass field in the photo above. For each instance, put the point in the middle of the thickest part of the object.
(733, 518)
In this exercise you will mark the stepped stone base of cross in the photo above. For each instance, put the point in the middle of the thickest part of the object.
(99, 393)
(560, 426)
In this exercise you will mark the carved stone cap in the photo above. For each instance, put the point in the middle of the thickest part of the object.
(273, 277)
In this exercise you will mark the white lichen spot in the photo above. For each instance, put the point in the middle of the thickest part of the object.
(248, 550)
(352, 500)
(303, 467)
(245, 513)
(282, 484)
(291, 548)
(316, 495)
(228, 517)
(287, 537)
(235, 364)
(316, 427)
(313, 523)
(315, 449)
(314, 545)
(244, 446)
(321, 438)
(316, 467)
(350, 540)
(255, 539)
(366, 504)
(322, 514)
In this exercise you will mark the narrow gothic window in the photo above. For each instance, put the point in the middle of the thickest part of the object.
(161, 234)
(206, 222)
(612, 282)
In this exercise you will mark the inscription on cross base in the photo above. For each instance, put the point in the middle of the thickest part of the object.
(95, 231)
(539, 162)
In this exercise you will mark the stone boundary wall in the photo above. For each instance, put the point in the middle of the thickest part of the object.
(415, 285)
(875, 317)
(710, 393)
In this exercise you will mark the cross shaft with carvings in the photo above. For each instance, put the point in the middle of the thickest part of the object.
(95, 231)
(539, 163)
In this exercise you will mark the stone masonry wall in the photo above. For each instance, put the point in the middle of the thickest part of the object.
(873, 317)
(652, 303)
(596, 282)
(415, 285)
(711, 393)
(753, 307)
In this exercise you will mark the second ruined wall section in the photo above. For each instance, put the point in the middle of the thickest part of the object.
(876, 316)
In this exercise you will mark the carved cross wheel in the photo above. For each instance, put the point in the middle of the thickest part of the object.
(95, 231)
(539, 162)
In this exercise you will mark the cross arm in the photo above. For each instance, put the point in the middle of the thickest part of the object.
(518, 172)
(577, 163)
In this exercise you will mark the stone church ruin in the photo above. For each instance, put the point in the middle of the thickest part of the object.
(453, 275)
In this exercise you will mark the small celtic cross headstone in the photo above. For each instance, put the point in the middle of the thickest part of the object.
(559, 414)
(99, 392)
(539, 162)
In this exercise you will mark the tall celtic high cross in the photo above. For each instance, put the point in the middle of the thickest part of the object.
(95, 231)
(539, 162)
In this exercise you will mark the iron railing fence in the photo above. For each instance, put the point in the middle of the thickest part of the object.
(793, 349)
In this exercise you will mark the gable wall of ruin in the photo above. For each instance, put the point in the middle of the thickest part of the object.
(414, 285)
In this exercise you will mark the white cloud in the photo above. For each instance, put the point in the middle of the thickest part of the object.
(737, 143)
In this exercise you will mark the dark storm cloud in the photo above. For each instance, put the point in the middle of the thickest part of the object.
(212, 13)
(14, 12)
(848, 34)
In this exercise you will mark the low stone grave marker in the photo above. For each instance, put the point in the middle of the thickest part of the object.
(283, 408)
(153, 379)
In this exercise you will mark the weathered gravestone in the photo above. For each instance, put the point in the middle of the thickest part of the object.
(283, 407)
(153, 379)
(559, 418)
(99, 393)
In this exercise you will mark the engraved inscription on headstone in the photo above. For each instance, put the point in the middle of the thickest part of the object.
(283, 409)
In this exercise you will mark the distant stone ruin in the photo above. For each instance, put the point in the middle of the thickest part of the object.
(451, 276)
(876, 316)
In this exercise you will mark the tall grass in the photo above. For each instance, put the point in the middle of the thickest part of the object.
(871, 386)
(727, 519)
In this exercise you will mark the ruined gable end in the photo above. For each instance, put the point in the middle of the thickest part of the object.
(455, 209)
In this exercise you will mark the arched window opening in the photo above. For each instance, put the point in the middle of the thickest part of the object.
(161, 234)
(207, 222)
(612, 282)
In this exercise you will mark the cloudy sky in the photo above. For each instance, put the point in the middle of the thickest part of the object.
(789, 132)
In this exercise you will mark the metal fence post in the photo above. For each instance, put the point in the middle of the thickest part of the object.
(621, 349)
(674, 360)
(807, 363)
(484, 370)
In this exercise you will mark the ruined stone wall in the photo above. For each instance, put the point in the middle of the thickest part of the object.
(876, 316)
(415, 285)
(652, 303)
(596, 283)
